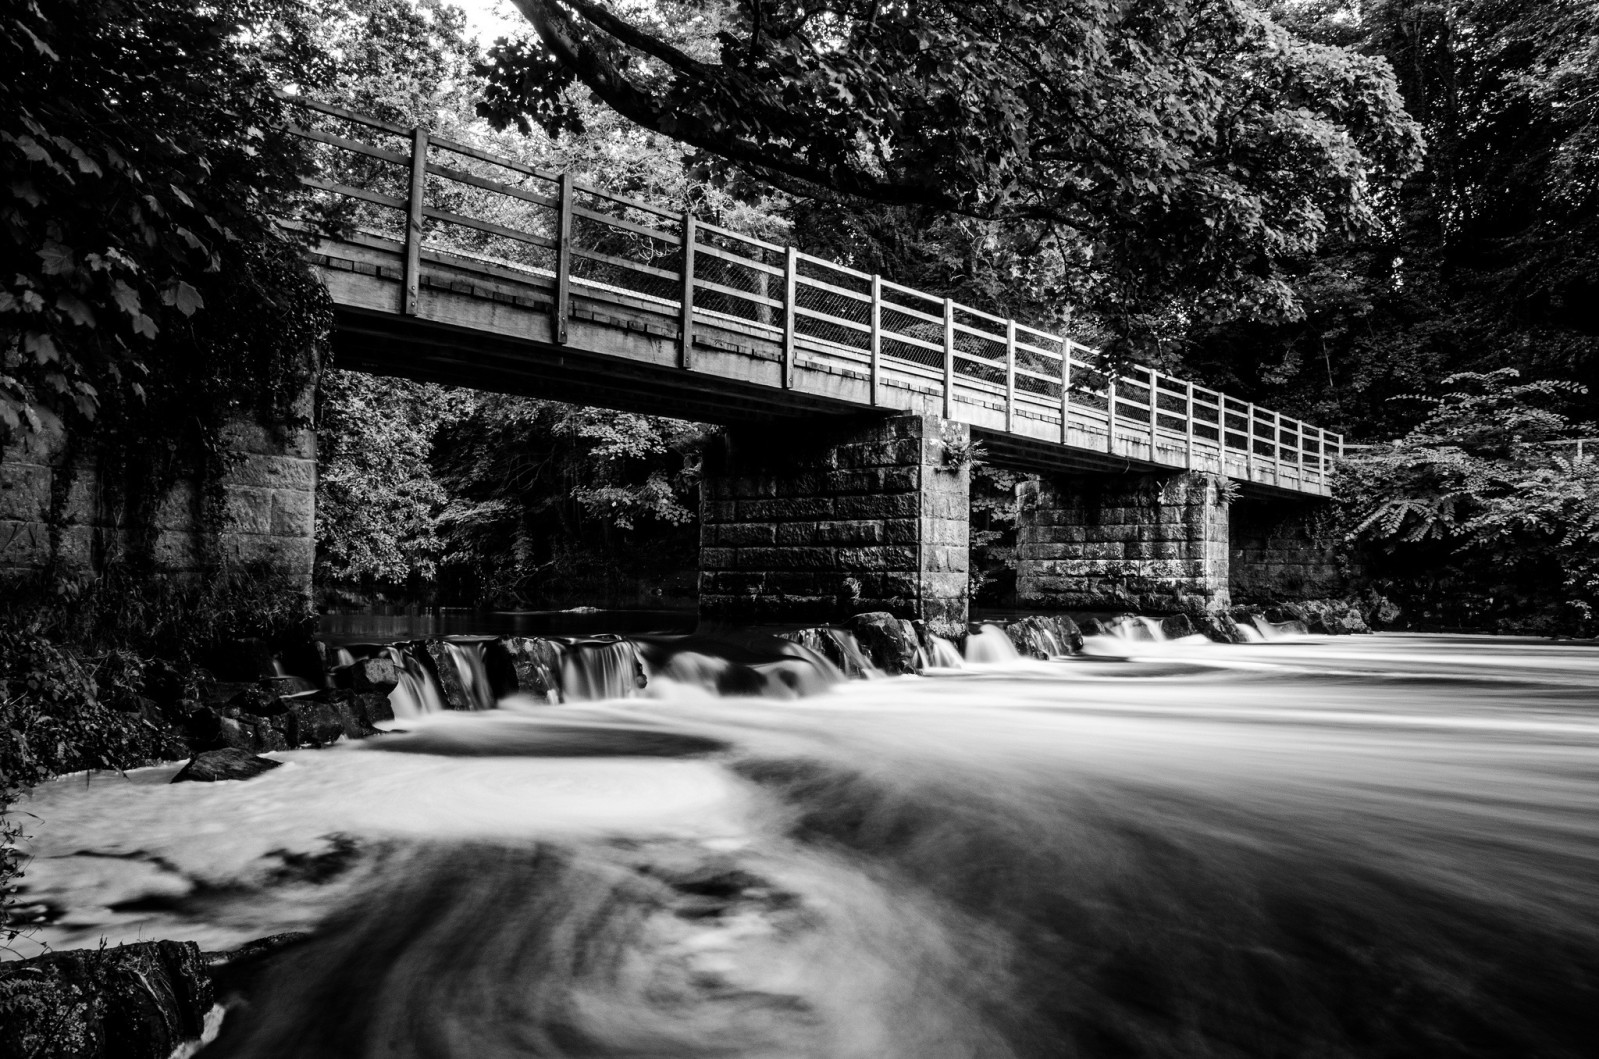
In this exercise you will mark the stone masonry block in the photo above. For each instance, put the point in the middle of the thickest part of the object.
(247, 509)
(24, 492)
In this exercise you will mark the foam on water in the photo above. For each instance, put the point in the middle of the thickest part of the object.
(1369, 846)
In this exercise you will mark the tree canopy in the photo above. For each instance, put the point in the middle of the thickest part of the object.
(1173, 153)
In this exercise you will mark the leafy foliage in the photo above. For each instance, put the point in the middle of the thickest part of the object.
(150, 296)
(377, 497)
(1494, 256)
(1484, 514)
(548, 499)
(1173, 153)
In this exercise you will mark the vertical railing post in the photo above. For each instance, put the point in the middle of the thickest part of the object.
(411, 296)
(1154, 411)
(685, 329)
(1065, 388)
(877, 340)
(563, 260)
(1010, 375)
(790, 272)
(1299, 449)
(1110, 414)
(1249, 443)
(949, 357)
(1277, 448)
(1188, 423)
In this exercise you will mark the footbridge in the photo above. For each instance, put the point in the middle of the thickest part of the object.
(853, 401)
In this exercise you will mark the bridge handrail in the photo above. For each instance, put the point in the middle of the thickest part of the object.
(820, 307)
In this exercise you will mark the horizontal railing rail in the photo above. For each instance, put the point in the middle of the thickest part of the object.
(433, 195)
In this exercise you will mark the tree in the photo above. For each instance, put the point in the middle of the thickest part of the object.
(1494, 256)
(1484, 513)
(1173, 153)
(150, 295)
(548, 499)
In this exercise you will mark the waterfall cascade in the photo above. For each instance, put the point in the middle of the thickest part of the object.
(475, 673)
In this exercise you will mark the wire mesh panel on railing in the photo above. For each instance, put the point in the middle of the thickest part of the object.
(627, 246)
(912, 327)
(489, 209)
(738, 276)
(1207, 416)
(833, 306)
(1171, 405)
(980, 346)
(1132, 403)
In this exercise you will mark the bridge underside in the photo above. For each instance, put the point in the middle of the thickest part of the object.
(722, 388)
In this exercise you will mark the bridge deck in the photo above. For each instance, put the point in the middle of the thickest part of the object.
(465, 268)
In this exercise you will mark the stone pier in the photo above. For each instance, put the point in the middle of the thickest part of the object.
(816, 521)
(1286, 550)
(1148, 543)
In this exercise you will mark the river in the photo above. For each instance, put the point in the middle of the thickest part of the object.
(1368, 846)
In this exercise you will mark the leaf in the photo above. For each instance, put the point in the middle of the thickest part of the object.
(76, 308)
(126, 297)
(145, 326)
(42, 346)
(57, 259)
(183, 297)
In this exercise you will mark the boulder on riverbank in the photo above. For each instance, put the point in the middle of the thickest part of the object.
(1045, 636)
(139, 1001)
(231, 763)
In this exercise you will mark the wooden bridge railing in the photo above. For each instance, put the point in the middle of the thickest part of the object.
(433, 193)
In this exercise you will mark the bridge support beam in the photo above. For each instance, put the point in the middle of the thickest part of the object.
(1147, 543)
(814, 522)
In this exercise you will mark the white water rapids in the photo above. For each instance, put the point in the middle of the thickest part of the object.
(1367, 846)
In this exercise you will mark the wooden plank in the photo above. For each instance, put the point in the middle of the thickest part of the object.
(831, 289)
(563, 259)
(353, 146)
(624, 200)
(845, 269)
(836, 321)
(1010, 379)
(790, 271)
(685, 339)
(1188, 419)
(340, 112)
(626, 225)
(1249, 443)
(979, 332)
(461, 176)
(490, 228)
(374, 197)
(1154, 408)
(733, 292)
(622, 262)
(480, 155)
(949, 358)
(877, 340)
(737, 259)
(1110, 415)
(1065, 391)
(741, 237)
(411, 292)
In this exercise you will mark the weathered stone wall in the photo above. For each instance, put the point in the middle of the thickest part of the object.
(1147, 543)
(269, 507)
(821, 521)
(1286, 550)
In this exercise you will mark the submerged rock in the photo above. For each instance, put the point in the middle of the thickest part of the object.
(1045, 636)
(139, 1001)
(232, 763)
(537, 664)
(455, 693)
(888, 641)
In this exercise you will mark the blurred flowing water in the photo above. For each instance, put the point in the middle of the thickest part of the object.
(1370, 846)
